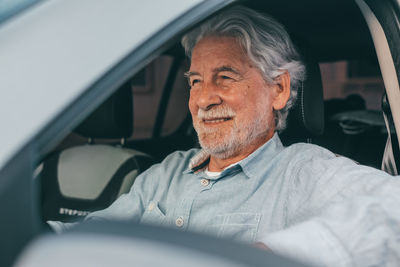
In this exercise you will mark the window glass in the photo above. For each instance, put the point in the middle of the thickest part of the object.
(147, 88)
(354, 124)
(360, 78)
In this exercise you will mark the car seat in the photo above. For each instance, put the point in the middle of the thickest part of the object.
(306, 119)
(81, 179)
(361, 136)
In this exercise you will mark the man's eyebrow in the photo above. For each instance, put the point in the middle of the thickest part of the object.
(216, 70)
(190, 73)
(226, 68)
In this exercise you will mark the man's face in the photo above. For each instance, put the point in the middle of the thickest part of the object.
(230, 102)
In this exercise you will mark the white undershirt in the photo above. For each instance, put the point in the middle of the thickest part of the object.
(215, 174)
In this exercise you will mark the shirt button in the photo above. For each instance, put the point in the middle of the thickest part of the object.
(204, 182)
(179, 222)
(151, 206)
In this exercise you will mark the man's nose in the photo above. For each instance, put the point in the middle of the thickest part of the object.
(208, 97)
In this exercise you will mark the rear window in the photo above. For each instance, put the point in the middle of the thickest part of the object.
(359, 78)
(354, 124)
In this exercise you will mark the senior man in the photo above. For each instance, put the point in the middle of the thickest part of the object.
(302, 200)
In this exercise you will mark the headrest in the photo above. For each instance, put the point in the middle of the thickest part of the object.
(113, 119)
(306, 119)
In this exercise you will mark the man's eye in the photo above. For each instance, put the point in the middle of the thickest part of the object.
(226, 78)
(194, 81)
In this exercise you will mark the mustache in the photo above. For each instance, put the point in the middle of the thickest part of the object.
(216, 112)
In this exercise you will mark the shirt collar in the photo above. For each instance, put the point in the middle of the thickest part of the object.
(256, 161)
(199, 161)
(249, 165)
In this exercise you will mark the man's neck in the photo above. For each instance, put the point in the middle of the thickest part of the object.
(219, 164)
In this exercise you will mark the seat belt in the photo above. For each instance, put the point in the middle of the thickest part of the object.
(388, 159)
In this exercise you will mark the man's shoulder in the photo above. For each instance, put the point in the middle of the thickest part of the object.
(313, 158)
(306, 151)
(318, 160)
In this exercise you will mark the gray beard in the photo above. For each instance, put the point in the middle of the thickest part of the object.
(234, 142)
(225, 149)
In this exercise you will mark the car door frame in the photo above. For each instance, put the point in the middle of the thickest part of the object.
(18, 194)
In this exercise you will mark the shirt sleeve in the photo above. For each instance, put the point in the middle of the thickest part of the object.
(354, 219)
(129, 206)
(132, 205)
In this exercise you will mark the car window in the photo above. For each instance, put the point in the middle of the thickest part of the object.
(349, 85)
(147, 88)
(22, 221)
(354, 124)
(354, 77)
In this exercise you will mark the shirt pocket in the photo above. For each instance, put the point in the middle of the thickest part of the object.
(239, 226)
(153, 215)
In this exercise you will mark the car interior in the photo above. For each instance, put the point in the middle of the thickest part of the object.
(339, 107)
(342, 106)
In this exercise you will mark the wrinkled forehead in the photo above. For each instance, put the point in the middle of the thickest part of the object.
(212, 39)
(224, 50)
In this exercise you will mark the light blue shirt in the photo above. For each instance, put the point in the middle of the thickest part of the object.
(301, 201)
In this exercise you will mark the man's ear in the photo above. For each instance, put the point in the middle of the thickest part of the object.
(281, 91)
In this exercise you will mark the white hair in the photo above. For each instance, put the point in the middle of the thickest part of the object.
(266, 43)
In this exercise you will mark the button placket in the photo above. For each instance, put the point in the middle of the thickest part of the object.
(182, 212)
